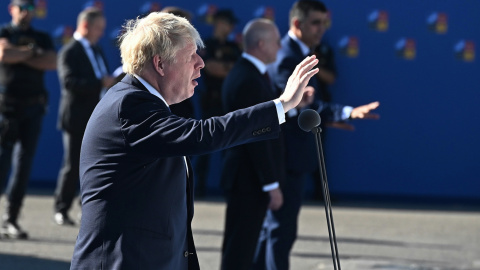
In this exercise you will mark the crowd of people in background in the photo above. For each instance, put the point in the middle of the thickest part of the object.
(263, 181)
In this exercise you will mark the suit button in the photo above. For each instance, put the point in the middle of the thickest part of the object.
(269, 129)
(185, 254)
(264, 130)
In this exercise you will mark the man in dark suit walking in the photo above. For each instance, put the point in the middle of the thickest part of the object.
(82, 70)
(136, 181)
(251, 173)
(307, 26)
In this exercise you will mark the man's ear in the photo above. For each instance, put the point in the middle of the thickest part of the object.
(261, 43)
(84, 24)
(296, 22)
(158, 65)
(10, 7)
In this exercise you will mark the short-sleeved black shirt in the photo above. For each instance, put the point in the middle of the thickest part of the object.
(20, 80)
(227, 52)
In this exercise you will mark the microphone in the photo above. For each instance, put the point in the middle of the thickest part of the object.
(308, 120)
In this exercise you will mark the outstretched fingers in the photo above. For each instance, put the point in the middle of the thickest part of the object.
(364, 111)
(306, 65)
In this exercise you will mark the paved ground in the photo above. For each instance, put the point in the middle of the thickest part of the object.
(369, 235)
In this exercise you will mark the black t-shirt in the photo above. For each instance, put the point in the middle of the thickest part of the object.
(20, 80)
(325, 58)
(227, 52)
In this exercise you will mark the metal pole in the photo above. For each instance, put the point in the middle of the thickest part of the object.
(326, 199)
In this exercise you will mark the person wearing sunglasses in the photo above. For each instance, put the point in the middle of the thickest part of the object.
(25, 54)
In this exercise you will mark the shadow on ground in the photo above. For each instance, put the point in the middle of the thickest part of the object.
(347, 200)
(14, 262)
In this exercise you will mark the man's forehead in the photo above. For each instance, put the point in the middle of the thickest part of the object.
(316, 15)
(190, 46)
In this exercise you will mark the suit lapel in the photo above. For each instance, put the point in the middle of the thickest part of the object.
(294, 46)
(253, 70)
(85, 61)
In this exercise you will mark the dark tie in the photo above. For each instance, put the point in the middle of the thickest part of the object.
(267, 78)
(96, 53)
(274, 89)
(96, 50)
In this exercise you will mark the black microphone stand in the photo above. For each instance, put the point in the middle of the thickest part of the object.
(326, 198)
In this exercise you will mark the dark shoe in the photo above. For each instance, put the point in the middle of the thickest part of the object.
(13, 230)
(62, 219)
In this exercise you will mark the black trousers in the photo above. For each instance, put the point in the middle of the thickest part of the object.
(280, 228)
(68, 177)
(246, 208)
(19, 134)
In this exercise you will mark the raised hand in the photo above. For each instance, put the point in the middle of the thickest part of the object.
(293, 93)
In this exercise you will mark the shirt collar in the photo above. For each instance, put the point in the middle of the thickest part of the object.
(305, 49)
(150, 89)
(78, 37)
(262, 68)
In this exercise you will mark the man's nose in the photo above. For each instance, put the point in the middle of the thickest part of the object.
(201, 63)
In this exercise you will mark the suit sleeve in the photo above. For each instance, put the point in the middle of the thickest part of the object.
(151, 129)
(72, 73)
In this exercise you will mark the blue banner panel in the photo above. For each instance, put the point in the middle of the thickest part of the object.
(418, 58)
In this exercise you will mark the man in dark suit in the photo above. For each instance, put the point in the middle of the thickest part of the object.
(307, 26)
(82, 70)
(136, 182)
(251, 173)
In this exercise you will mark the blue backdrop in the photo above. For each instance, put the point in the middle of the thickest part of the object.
(416, 57)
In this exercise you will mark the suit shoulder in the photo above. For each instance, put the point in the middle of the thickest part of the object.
(244, 68)
(243, 73)
(70, 46)
(131, 98)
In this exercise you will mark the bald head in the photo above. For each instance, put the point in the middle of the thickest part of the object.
(255, 31)
(261, 39)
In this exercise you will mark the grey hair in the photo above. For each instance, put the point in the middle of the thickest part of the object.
(89, 15)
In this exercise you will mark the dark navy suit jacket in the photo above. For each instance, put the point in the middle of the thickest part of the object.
(137, 198)
(260, 163)
(80, 87)
(300, 146)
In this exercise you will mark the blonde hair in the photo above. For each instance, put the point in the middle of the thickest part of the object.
(159, 33)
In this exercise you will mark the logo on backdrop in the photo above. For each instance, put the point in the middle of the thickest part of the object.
(264, 12)
(62, 34)
(465, 50)
(378, 20)
(205, 13)
(406, 48)
(41, 9)
(349, 46)
(97, 4)
(149, 7)
(438, 22)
